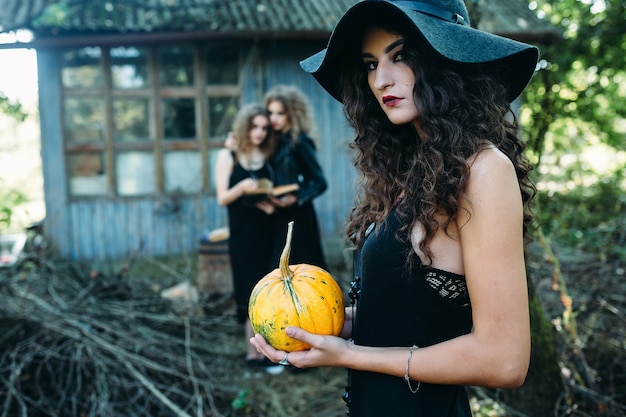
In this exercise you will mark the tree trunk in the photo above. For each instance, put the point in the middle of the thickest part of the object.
(540, 393)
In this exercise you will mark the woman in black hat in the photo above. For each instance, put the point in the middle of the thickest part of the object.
(440, 288)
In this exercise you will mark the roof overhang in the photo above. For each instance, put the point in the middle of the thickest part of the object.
(137, 38)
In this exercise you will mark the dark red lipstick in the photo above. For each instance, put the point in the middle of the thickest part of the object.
(391, 100)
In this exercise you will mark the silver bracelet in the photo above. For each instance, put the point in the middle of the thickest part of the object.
(406, 373)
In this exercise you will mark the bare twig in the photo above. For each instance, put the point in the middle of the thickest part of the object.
(153, 389)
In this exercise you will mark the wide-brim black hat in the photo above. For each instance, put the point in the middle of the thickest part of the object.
(444, 25)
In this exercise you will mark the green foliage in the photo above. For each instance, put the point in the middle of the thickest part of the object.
(577, 100)
(12, 109)
(54, 15)
(9, 199)
(576, 105)
(241, 401)
(588, 218)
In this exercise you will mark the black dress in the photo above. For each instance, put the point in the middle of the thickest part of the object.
(299, 164)
(395, 308)
(251, 241)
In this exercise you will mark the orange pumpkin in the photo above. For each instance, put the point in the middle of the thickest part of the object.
(300, 295)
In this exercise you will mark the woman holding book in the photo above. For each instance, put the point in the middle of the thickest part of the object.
(295, 162)
(239, 170)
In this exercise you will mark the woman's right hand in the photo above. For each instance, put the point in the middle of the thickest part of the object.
(266, 207)
(324, 351)
(247, 184)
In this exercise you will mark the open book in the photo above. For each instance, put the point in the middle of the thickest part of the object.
(266, 189)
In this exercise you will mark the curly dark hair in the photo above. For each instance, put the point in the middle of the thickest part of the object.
(462, 111)
(297, 107)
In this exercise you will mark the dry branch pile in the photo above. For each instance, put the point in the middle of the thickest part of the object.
(75, 345)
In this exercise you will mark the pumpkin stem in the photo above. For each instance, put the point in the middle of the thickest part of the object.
(285, 271)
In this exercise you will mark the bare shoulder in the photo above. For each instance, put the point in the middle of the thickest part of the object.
(490, 161)
(490, 168)
(225, 153)
(225, 156)
(492, 179)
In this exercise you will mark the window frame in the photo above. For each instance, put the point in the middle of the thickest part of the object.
(200, 92)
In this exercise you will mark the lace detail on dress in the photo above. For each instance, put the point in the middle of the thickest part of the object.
(452, 288)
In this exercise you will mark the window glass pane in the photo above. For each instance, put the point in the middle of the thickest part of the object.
(222, 111)
(222, 65)
(176, 66)
(212, 163)
(183, 172)
(135, 173)
(81, 68)
(84, 120)
(179, 118)
(131, 120)
(129, 67)
(87, 174)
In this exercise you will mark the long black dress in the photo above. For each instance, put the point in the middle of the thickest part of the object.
(251, 241)
(395, 308)
(299, 164)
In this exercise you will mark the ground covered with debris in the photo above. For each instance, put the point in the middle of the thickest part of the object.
(78, 340)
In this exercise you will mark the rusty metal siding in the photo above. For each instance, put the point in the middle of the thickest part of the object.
(108, 230)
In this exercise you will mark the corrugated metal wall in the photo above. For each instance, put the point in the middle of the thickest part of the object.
(282, 67)
(102, 229)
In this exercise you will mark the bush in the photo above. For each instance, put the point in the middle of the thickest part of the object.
(587, 218)
(9, 199)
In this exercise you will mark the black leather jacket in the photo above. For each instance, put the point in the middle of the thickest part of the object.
(299, 164)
